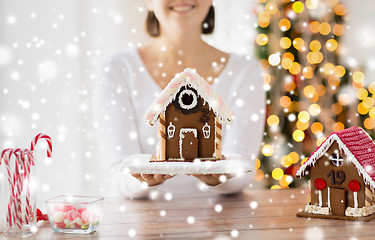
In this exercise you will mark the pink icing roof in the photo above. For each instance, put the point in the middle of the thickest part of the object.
(357, 145)
(204, 89)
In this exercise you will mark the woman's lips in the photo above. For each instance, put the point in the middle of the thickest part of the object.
(181, 8)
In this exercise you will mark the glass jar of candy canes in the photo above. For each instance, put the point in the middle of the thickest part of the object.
(18, 201)
(18, 190)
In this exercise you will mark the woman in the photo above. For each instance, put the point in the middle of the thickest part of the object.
(135, 77)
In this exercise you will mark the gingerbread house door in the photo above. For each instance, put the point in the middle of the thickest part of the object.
(338, 201)
(188, 143)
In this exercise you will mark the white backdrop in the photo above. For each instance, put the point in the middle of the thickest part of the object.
(51, 53)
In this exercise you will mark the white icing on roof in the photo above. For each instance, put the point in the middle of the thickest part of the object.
(204, 89)
(347, 144)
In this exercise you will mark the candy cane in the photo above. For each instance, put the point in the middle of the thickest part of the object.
(28, 163)
(21, 181)
(31, 160)
(37, 138)
(18, 181)
(6, 155)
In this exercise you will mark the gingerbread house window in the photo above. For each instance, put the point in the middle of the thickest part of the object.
(336, 160)
(188, 99)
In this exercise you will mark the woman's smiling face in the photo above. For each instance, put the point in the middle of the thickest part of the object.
(180, 15)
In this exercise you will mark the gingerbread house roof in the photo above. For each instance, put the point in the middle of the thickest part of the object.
(204, 89)
(357, 146)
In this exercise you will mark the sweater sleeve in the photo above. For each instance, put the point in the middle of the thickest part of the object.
(116, 128)
(244, 135)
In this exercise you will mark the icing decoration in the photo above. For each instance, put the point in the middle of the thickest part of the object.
(336, 159)
(320, 184)
(189, 78)
(358, 147)
(182, 136)
(360, 212)
(185, 100)
(320, 199)
(171, 130)
(206, 131)
(316, 209)
(354, 186)
(329, 198)
(355, 196)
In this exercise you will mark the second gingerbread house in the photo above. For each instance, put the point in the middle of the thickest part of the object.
(342, 176)
(191, 115)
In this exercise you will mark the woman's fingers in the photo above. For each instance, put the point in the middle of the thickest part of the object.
(152, 179)
(167, 176)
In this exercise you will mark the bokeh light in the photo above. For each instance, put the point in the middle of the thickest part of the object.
(285, 42)
(262, 39)
(301, 49)
(304, 116)
(274, 59)
(331, 44)
(298, 135)
(277, 173)
(358, 77)
(284, 25)
(271, 7)
(273, 121)
(267, 150)
(312, 4)
(298, 7)
(317, 128)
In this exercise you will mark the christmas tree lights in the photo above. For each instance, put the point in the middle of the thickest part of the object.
(310, 91)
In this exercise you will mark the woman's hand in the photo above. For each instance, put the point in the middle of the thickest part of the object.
(213, 179)
(152, 179)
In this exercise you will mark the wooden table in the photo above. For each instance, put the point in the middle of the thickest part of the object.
(190, 214)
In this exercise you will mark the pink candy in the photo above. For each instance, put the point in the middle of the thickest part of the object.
(69, 216)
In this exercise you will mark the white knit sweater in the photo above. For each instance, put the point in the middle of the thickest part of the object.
(126, 91)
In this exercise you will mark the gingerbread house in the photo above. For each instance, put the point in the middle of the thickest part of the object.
(342, 177)
(191, 115)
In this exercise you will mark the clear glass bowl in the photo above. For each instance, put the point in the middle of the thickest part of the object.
(74, 214)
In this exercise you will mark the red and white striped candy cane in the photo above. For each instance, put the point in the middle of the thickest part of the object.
(18, 182)
(29, 161)
(6, 156)
(49, 142)
(22, 187)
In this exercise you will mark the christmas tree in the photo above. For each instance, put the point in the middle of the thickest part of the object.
(310, 91)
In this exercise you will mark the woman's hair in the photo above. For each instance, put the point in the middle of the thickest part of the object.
(153, 26)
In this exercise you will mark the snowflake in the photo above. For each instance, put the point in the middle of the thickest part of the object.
(11, 19)
(253, 204)
(151, 141)
(163, 213)
(45, 187)
(254, 117)
(234, 233)
(5, 55)
(133, 135)
(314, 233)
(168, 196)
(122, 208)
(132, 233)
(239, 103)
(71, 50)
(48, 69)
(47, 161)
(218, 208)
(190, 220)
